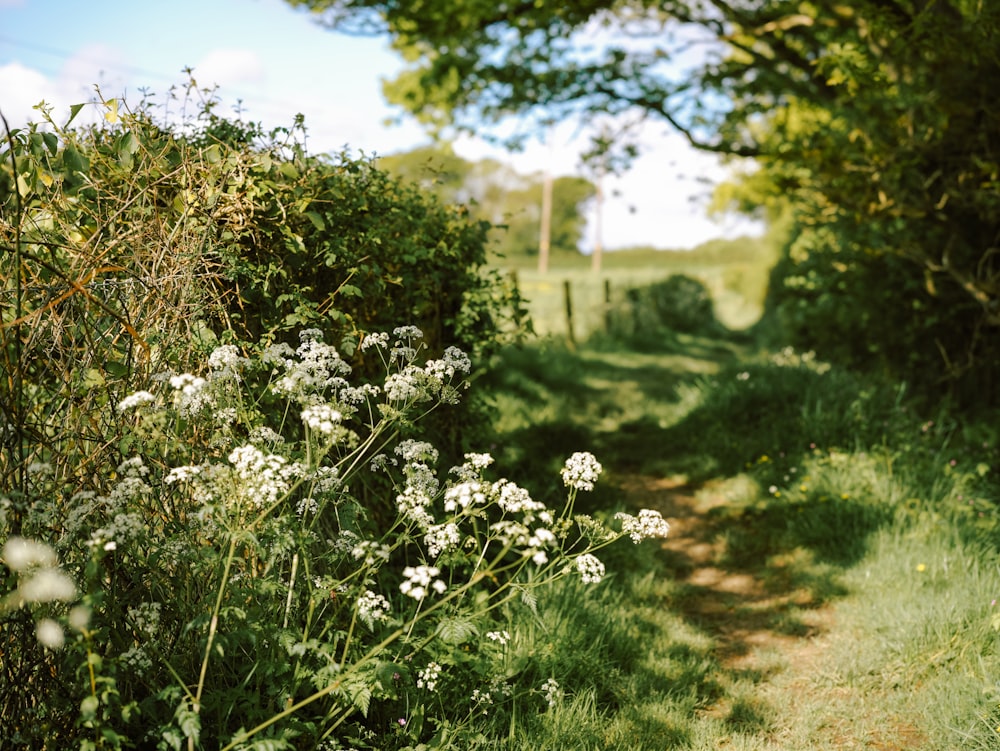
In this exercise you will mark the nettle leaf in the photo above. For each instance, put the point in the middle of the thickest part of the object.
(188, 721)
(456, 630)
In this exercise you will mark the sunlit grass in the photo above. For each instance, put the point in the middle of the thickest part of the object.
(873, 527)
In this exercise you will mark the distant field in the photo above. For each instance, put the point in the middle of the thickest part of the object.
(737, 286)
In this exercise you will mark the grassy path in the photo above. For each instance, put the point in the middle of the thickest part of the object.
(769, 630)
(828, 579)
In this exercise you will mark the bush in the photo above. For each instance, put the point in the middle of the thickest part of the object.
(678, 304)
(133, 247)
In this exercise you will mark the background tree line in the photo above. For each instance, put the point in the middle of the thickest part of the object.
(496, 193)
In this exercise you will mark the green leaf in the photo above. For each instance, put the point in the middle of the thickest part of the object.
(212, 154)
(456, 630)
(74, 161)
(188, 721)
(74, 110)
(92, 378)
(317, 219)
(51, 142)
(116, 369)
(88, 708)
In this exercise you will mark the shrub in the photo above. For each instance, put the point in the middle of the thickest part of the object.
(678, 304)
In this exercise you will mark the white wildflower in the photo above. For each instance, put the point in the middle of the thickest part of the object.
(501, 637)
(227, 360)
(590, 568)
(407, 332)
(372, 608)
(514, 499)
(464, 495)
(405, 386)
(380, 339)
(21, 553)
(47, 585)
(182, 474)
(454, 361)
(191, 395)
(322, 418)
(417, 451)
(551, 691)
(145, 618)
(649, 524)
(135, 400)
(442, 538)
(370, 552)
(50, 634)
(581, 471)
(428, 677)
(265, 477)
(419, 580)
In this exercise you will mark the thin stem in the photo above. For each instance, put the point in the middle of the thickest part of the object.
(213, 626)
(291, 589)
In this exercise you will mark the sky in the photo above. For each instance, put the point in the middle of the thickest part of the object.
(273, 62)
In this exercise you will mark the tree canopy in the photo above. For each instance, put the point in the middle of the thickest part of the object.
(873, 124)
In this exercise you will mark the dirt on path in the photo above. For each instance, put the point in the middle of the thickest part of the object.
(767, 627)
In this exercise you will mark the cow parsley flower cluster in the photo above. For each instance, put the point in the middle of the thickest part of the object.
(135, 400)
(552, 692)
(428, 677)
(442, 538)
(190, 394)
(322, 418)
(590, 568)
(420, 580)
(262, 478)
(649, 523)
(313, 368)
(581, 471)
(372, 608)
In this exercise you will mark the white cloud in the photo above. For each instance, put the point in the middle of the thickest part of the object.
(22, 89)
(229, 67)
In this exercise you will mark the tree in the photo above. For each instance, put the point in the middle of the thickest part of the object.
(496, 193)
(874, 121)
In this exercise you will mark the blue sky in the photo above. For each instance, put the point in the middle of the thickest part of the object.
(277, 62)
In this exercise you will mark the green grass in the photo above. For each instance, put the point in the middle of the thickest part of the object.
(735, 273)
(849, 507)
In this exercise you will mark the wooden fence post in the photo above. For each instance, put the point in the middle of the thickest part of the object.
(567, 294)
(607, 305)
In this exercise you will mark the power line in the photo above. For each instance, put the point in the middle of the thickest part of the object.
(269, 107)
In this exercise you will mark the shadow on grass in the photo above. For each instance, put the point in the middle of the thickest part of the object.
(750, 575)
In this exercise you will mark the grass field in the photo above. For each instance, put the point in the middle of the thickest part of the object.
(737, 286)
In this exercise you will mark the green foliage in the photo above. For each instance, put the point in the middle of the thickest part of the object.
(866, 122)
(132, 249)
(495, 193)
(677, 304)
